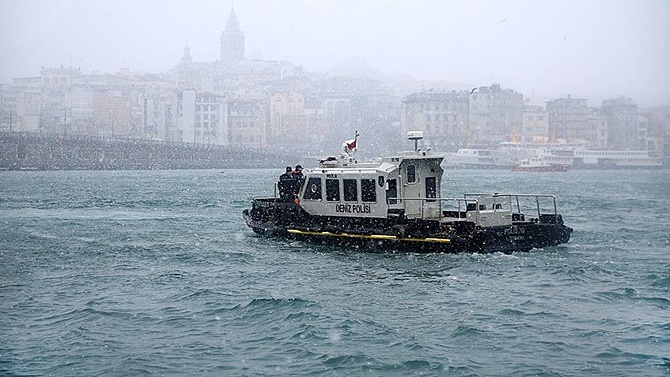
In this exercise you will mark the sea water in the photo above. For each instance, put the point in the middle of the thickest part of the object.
(119, 273)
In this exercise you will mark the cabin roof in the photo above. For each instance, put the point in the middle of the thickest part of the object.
(427, 158)
(386, 164)
(369, 168)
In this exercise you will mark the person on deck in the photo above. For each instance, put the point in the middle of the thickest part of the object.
(286, 185)
(299, 178)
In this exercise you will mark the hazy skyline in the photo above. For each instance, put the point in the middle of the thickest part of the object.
(543, 49)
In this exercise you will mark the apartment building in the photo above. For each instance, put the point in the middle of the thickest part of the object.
(568, 118)
(496, 114)
(442, 116)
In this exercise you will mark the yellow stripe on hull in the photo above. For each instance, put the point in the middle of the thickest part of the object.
(370, 237)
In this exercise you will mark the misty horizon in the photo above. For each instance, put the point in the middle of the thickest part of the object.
(544, 50)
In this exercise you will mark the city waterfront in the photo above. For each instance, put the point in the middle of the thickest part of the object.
(36, 151)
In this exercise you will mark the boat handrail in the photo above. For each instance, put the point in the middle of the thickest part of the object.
(518, 205)
(488, 194)
(471, 198)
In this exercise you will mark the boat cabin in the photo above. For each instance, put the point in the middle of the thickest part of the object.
(406, 185)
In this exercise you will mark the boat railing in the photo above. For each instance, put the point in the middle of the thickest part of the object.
(479, 210)
(516, 199)
(431, 208)
(456, 209)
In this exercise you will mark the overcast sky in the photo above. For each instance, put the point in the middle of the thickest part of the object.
(544, 49)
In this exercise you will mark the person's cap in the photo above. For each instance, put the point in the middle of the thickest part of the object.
(288, 169)
(298, 167)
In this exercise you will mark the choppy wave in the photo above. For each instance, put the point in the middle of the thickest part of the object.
(154, 273)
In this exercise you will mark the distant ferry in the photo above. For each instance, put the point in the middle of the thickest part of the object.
(396, 203)
(576, 155)
(471, 158)
(580, 157)
(539, 164)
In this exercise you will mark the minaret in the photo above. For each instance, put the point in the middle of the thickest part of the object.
(232, 40)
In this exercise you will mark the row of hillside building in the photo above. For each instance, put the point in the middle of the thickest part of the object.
(268, 111)
(489, 115)
(274, 104)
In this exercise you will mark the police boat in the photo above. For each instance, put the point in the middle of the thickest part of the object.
(395, 204)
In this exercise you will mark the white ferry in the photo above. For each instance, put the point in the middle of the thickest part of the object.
(471, 158)
(395, 204)
(582, 157)
(578, 155)
(540, 164)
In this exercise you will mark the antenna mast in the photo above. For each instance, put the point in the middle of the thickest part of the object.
(416, 136)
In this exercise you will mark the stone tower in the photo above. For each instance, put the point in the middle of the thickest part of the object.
(232, 40)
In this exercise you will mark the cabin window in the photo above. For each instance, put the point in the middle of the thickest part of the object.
(313, 189)
(333, 190)
(368, 190)
(350, 190)
(392, 191)
(411, 173)
(431, 188)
